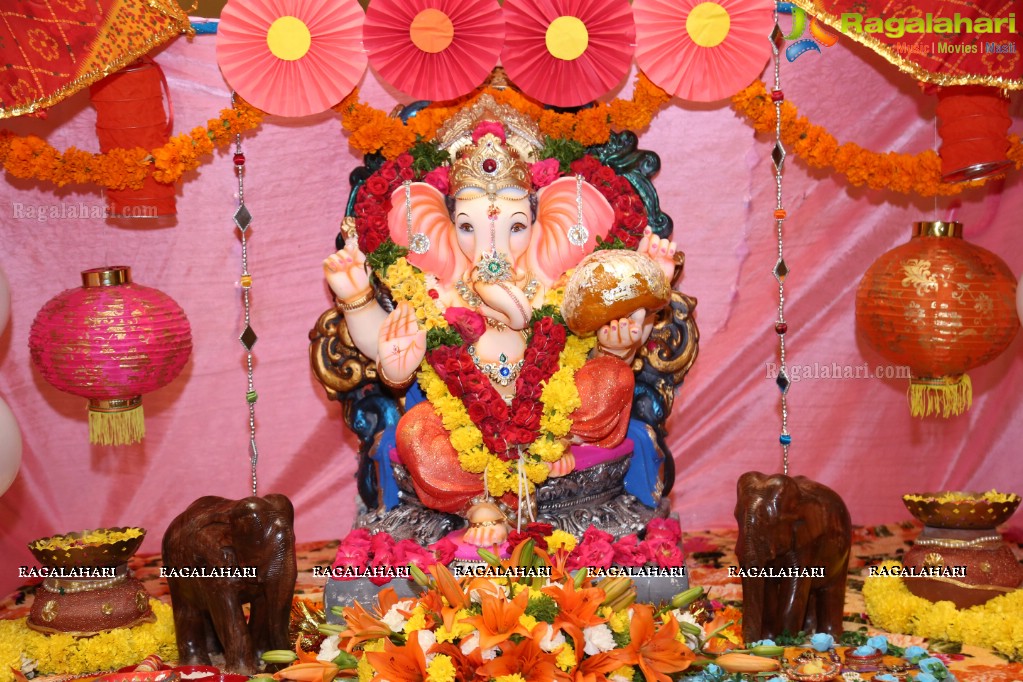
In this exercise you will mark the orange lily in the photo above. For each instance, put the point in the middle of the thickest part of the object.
(577, 607)
(500, 618)
(595, 668)
(362, 626)
(465, 664)
(657, 652)
(399, 663)
(316, 671)
(525, 658)
(452, 590)
(729, 637)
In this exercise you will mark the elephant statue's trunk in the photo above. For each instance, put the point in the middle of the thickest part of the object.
(505, 302)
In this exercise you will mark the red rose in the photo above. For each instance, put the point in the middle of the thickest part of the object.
(544, 172)
(452, 366)
(388, 172)
(531, 375)
(622, 204)
(665, 553)
(359, 537)
(535, 531)
(438, 177)
(477, 411)
(444, 550)
(468, 323)
(634, 222)
(524, 414)
(476, 385)
(590, 554)
(668, 529)
(593, 534)
(404, 160)
(629, 552)
(377, 186)
(605, 176)
(406, 174)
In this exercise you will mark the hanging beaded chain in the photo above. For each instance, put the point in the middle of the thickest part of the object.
(418, 242)
(243, 219)
(578, 234)
(781, 270)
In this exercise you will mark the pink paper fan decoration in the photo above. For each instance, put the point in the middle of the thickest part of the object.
(434, 49)
(291, 57)
(567, 52)
(703, 51)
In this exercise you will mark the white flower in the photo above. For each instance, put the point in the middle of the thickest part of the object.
(599, 639)
(329, 649)
(618, 678)
(426, 639)
(472, 642)
(552, 639)
(685, 617)
(395, 620)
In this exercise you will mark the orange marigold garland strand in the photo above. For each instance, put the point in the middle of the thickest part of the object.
(371, 130)
(904, 173)
(30, 157)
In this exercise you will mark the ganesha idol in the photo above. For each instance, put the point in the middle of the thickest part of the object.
(487, 355)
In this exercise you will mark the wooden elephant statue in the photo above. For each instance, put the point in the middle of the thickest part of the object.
(799, 532)
(220, 554)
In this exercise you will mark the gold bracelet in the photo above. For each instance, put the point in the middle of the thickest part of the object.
(392, 384)
(360, 301)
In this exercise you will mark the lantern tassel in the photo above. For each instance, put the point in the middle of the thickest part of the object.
(123, 427)
(947, 396)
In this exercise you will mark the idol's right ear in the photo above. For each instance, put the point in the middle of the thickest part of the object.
(430, 216)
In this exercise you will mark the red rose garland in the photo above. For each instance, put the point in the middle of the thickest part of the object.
(373, 201)
(503, 427)
(630, 213)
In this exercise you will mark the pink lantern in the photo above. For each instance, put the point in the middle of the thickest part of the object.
(111, 341)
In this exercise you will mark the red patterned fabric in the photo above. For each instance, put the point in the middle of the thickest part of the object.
(50, 50)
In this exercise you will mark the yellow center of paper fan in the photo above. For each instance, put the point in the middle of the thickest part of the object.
(432, 31)
(567, 38)
(289, 38)
(707, 24)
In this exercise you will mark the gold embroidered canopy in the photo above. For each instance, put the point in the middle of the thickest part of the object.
(51, 50)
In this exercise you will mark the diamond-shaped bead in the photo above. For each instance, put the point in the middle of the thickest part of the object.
(248, 338)
(778, 155)
(781, 270)
(242, 218)
(783, 381)
(776, 34)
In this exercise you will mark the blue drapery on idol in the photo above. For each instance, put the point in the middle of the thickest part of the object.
(640, 481)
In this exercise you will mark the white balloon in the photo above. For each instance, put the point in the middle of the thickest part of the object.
(5, 300)
(1019, 300)
(10, 447)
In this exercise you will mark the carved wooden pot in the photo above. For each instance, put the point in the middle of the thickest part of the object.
(88, 606)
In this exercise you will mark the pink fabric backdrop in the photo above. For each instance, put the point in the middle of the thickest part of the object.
(855, 435)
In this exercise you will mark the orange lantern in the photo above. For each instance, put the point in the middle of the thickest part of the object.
(940, 306)
(130, 113)
(974, 126)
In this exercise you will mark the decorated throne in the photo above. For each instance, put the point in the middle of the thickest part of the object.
(617, 489)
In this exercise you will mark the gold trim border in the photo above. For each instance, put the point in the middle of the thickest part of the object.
(179, 25)
(905, 65)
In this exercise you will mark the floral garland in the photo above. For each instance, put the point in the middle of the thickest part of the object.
(62, 653)
(371, 130)
(31, 158)
(543, 434)
(893, 607)
(905, 173)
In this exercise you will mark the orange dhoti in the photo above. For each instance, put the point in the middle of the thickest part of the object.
(605, 386)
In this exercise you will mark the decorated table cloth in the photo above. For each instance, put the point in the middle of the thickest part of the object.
(709, 554)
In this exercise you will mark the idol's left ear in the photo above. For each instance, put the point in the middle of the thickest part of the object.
(550, 252)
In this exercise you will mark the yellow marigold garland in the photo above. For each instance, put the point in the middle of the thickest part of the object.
(62, 653)
(371, 130)
(31, 158)
(904, 173)
(994, 625)
(560, 397)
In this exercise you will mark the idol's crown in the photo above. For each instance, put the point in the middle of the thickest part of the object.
(489, 168)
